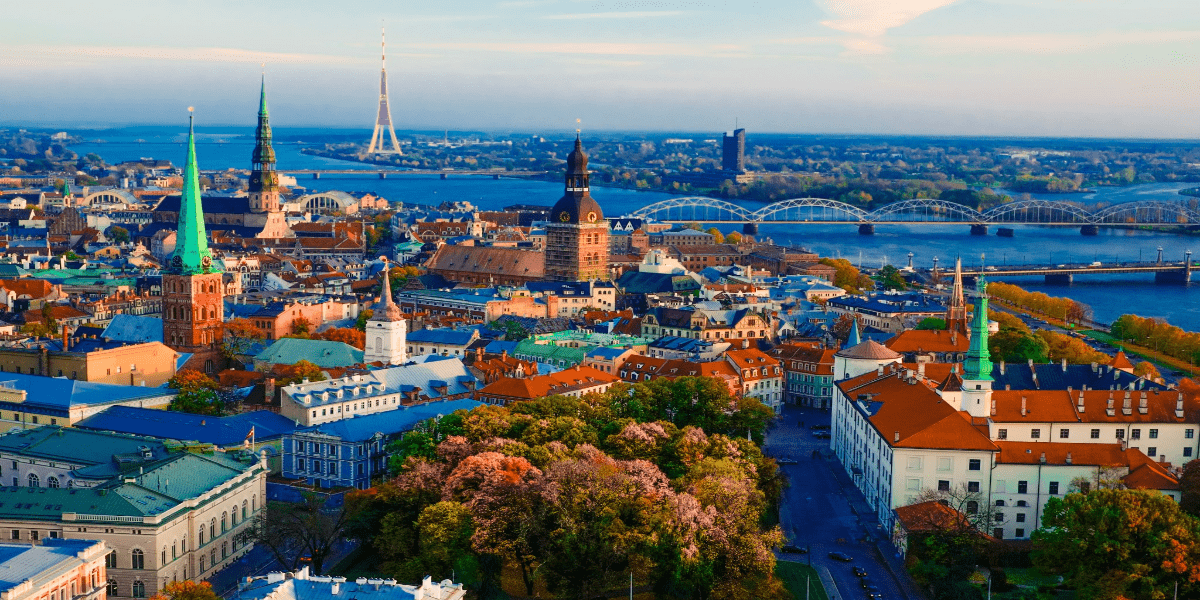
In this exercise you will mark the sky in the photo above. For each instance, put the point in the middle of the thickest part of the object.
(1087, 68)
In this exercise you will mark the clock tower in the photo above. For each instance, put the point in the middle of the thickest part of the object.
(193, 295)
(577, 234)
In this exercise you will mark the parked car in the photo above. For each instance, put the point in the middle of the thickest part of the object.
(790, 549)
(840, 557)
(860, 572)
(786, 461)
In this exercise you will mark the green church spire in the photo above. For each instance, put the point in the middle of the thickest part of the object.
(978, 366)
(262, 172)
(191, 238)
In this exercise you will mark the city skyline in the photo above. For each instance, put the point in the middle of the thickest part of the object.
(1010, 67)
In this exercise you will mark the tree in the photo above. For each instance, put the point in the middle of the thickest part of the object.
(1014, 346)
(363, 317)
(1147, 370)
(298, 372)
(1120, 544)
(847, 276)
(890, 278)
(291, 531)
(1189, 485)
(733, 237)
(241, 337)
(843, 326)
(117, 234)
(301, 326)
(931, 323)
(718, 237)
(197, 394)
(346, 335)
(186, 590)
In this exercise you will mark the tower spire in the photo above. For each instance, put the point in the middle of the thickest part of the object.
(191, 243)
(263, 177)
(383, 118)
(956, 312)
(978, 365)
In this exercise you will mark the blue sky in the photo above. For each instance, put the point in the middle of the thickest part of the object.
(970, 67)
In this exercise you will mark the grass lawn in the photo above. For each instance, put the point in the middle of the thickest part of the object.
(794, 576)
(1160, 360)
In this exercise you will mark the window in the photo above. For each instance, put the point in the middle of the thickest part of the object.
(972, 507)
(1135, 434)
(945, 464)
(998, 533)
(224, 518)
(1095, 434)
(33, 480)
(973, 464)
(110, 561)
(943, 485)
(33, 534)
(1054, 487)
(1152, 451)
(1154, 434)
(203, 563)
(112, 588)
(244, 511)
(16, 534)
(164, 556)
(1022, 487)
(1002, 434)
(999, 503)
(1022, 503)
(1020, 517)
(998, 517)
(1120, 434)
(973, 487)
(914, 484)
(139, 559)
(52, 482)
(174, 548)
(914, 463)
(212, 529)
(299, 464)
(1035, 433)
(1189, 433)
(224, 550)
(139, 589)
(1064, 433)
(1020, 533)
(1187, 451)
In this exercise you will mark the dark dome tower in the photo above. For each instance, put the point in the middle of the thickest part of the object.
(577, 235)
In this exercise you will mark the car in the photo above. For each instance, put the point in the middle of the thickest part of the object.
(873, 592)
(840, 557)
(786, 461)
(794, 549)
(860, 572)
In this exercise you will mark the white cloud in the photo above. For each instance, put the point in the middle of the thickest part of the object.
(56, 55)
(872, 18)
(1056, 43)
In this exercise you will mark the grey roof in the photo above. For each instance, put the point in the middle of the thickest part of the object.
(451, 337)
(133, 328)
(1054, 376)
(99, 454)
(60, 393)
(429, 377)
(301, 586)
(42, 564)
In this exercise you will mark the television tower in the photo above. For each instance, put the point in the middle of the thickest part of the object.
(383, 120)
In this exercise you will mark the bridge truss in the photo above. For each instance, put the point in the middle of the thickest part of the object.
(921, 210)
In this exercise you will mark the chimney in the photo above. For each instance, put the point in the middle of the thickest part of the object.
(333, 590)
(1002, 367)
(1064, 365)
(1042, 458)
(1080, 406)
(1023, 409)
(879, 371)
(1127, 406)
(1143, 407)
(1069, 460)
(1179, 406)
(896, 438)
(269, 390)
(921, 369)
(1110, 410)
(993, 406)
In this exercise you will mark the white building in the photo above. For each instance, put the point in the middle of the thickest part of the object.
(386, 331)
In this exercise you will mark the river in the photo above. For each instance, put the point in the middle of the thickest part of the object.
(1109, 296)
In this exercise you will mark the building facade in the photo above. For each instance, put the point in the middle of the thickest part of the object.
(54, 569)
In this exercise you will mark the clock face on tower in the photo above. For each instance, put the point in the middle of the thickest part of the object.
(592, 217)
(564, 216)
(206, 262)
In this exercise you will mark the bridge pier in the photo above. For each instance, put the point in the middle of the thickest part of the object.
(979, 229)
(1059, 279)
(496, 177)
(750, 228)
(382, 175)
(1089, 230)
(316, 175)
(445, 176)
(866, 229)
(1172, 277)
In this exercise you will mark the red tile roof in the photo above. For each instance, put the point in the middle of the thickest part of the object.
(921, 341)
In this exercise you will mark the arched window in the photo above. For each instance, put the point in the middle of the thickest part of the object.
(999, 503)
(95, 577)
(379, 344)
(201, 536)
(224, 517)
(972, 507)
(244, 513)
(164, 556)
(224, 550)
(212, 529)
(212, 557)
(183, 544)
(174, 550)
(112, 588)
(139, 589)
(33, 480)
(254, 502)
(203, 563)
(52, 482)
(233, 515)
(203, 313)
(139, 559)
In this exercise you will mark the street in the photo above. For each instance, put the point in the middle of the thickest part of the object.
(821, 511)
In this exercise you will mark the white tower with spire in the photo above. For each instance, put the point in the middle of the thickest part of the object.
(387, 331)
(383, 119)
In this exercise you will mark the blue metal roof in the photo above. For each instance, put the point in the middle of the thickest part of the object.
(134, 328)
(41, 564)
(451, 337)
(606, 352)
(220, 431)
(62, 393)
(364, 427)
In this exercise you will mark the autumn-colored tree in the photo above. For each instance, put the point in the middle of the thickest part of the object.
(1074, 350)
(296, 373)
(718, 237)
(843, 326)
(1189, 486)
(733, 237)
(847, 276)
(1147, 370)
(346, 335)
(197, 393)
(300, 326)
(186, 590)
(1112, 544)
(241, 337)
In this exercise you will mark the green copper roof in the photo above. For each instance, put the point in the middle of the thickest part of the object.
(264, 154)
(191, 241)
(978, 366)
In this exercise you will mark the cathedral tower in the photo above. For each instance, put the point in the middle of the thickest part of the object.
(977, 368)
(956, 311)
(387, 331)
(577, 235)
(264, 181)
(193, 296)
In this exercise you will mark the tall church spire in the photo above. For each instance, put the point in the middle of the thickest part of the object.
(978, 365)
(956, 311)
(264, 181)
(191, 239)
